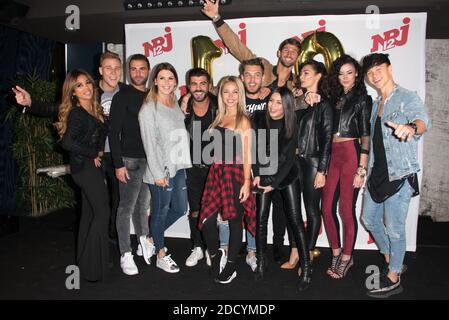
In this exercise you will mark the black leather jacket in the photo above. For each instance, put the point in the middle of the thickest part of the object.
(190, 116)
(315, 131)
(287, 169)
(84, 138)
(352, 116)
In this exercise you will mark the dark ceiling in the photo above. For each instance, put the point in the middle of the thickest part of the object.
(103, 20)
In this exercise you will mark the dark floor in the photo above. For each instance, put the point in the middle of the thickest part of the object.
(34, 260)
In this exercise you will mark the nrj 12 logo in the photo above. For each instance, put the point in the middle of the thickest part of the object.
(159, 45)
(391, 38)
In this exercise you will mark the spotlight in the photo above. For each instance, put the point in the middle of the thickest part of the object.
(155, 4)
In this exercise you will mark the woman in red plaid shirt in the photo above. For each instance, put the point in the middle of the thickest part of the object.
(228, 185)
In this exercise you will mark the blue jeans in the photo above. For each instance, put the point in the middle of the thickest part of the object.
(168, 205)
(223, 229)
(386, 222)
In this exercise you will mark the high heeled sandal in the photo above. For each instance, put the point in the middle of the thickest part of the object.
(342, 268)
(334, 263)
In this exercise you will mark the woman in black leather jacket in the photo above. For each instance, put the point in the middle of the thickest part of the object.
(82, 130)
(349, 158)
(314, 143)
(280, 172)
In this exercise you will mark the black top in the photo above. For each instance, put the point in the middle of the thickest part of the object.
(84, 138)
(124, 134)
(193, 121)
(352, 115)
(379, 186)
(254, 106)
(283, 165)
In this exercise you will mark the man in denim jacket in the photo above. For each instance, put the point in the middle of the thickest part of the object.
(398, 120)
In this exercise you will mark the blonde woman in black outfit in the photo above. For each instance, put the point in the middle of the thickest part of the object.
(81, 128)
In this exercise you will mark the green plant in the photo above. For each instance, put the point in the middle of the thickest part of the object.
(35, 145)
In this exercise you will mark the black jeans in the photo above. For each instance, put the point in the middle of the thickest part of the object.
(196, 179)
(113, 189)
(93, 247)
(290, 196)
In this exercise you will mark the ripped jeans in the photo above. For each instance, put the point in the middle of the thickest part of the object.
(168, 205)
(386, 222)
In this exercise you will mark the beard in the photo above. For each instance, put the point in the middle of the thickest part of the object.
(139, 82)
(253, 91)
(201, 99)
(285, 64)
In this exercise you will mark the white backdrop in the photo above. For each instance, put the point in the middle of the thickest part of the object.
(402, 35)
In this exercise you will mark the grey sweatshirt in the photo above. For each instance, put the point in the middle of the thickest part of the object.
(165, 140)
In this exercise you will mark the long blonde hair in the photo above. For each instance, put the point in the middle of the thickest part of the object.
(241, 106)
(69, 101)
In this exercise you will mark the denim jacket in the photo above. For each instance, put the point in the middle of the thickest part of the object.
(402, 106)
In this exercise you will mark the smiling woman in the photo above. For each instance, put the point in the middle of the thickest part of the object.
(83, 132)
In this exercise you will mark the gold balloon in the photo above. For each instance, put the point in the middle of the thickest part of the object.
(204, 51)
(325, 43)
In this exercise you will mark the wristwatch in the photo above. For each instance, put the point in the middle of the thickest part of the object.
(216, 18)
(361, 171)
(413, 126)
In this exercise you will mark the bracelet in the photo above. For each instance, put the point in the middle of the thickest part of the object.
(364, 151)
(216, 18)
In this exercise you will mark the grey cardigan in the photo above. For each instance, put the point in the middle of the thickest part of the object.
(165, 140)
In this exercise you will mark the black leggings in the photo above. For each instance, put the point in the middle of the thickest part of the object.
(312, 198)
(292, 206)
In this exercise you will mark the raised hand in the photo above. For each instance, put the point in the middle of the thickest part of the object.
(402, 131)
(210, 8)
(22, 96)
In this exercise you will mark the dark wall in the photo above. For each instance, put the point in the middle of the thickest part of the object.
(85, 56)
(21, 53)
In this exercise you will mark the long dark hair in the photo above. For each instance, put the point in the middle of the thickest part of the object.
(288, 103)
(336, 88)
(318, 67)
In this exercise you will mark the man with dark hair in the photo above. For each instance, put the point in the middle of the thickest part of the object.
(200, 113)
(398, 120)
(128, 156)
(274, 76)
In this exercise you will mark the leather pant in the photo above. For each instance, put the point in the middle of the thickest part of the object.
(312, 198)
(294, 221)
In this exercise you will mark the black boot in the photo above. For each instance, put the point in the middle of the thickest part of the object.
(261, 267)
(306, 278)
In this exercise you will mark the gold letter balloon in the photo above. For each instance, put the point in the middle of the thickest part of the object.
(204, 51)
(325, 43)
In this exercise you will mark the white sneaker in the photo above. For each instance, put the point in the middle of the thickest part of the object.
(195, 256)
(167, 264)
(223, 259)
(139, 250)
(147, 249)
(208, 261)
(128, 265)
(252, 262)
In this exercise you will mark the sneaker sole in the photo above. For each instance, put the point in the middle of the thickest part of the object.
(130, 273)
(168, 271)
(232, 277)
(384, 295)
